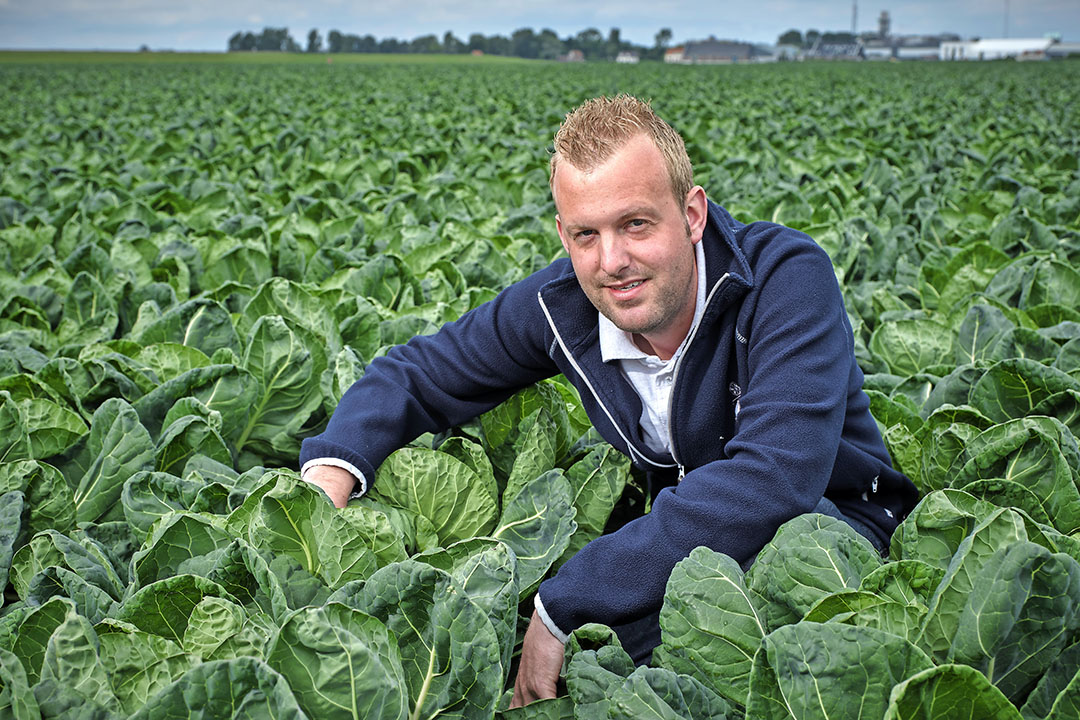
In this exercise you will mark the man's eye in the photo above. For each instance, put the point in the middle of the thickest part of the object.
(637, 222)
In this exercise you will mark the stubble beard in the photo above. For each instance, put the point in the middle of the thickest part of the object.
(670, 300)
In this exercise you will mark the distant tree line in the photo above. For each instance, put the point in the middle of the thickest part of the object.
(524, 43)
(794, 37)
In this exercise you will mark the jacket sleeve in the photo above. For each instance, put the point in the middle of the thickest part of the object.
(437, 381)
(776, 465)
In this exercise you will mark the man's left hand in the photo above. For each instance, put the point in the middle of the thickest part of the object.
(541, 662)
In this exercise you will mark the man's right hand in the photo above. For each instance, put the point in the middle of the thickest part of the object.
(336, 482)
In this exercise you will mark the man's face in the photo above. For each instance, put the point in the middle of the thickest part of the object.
(631, 243)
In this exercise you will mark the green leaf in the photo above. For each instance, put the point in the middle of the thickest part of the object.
(597, 482)
(34, 631)
(17, 700)
(949, 692)
(148, 496)
(164, 607)
(14, 431)
(822, 669)
(910, 346)
(980, 331)
(225, 388)
(535, 454)
(89, 313)
(139, 664)
(243, 688)
(810, 557)
(13, 512)
(49, 499)
(50, 548)
(52, 429)
(935, 529)
(294, 518)
(911, 582)
(1000, 528)
(561, 708)
(537, 525)
(188, 436)
(247, 576)
(1057, 695)
(90, 601)
(213, 621)
(72, 663)
(1013, 388)
(661, 693)
(486, 571)
(942, 439)
(170, 360)
(865, 609)
(1025, 608)
(710, 624)
(506, 426)
(450, 651)
(201, 324)
(118, 446)
(1039, 454)
(288, 388)
(340, 663)
(175, 542)
(592, 677)
(459, 503)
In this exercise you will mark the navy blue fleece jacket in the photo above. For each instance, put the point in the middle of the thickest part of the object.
(768, 413)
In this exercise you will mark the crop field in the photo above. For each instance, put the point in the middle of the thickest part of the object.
(198, 258)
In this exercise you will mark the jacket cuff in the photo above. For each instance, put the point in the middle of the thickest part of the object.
(548, 622)
(361, 481)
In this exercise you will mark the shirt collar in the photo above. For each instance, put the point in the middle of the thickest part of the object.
(616, 344)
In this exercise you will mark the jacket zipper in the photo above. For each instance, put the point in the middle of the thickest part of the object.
(675, 377)
(577, 368)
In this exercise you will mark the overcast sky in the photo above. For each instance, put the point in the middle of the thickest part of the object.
(207, 24)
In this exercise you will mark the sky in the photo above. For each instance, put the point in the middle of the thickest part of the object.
(207, 24)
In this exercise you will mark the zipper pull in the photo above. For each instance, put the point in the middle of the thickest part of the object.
(682, 473)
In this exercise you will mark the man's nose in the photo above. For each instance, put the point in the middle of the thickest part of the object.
(614, 257)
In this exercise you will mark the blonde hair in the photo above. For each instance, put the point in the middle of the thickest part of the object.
(598, 128)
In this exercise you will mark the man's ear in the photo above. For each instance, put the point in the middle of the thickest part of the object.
(558, 229)
(697, 212)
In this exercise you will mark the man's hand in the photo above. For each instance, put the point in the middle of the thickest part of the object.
(541, 661)
(334, 481)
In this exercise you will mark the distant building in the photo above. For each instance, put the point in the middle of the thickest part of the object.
(720, 52)
(904, 47)
(997, 49)
(835, 51)
(714, 52)
(1063, 50)
(878, 49)
(572, 56)
(921, 47)
(884, 24)
(627, 57)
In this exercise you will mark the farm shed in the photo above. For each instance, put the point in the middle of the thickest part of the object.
(996, 49)
(719, 52)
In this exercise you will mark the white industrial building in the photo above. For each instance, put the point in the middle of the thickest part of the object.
(996, 49)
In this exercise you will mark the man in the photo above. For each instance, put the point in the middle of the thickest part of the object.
(717, 355)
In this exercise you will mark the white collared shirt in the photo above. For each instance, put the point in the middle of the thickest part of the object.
(651, 377)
